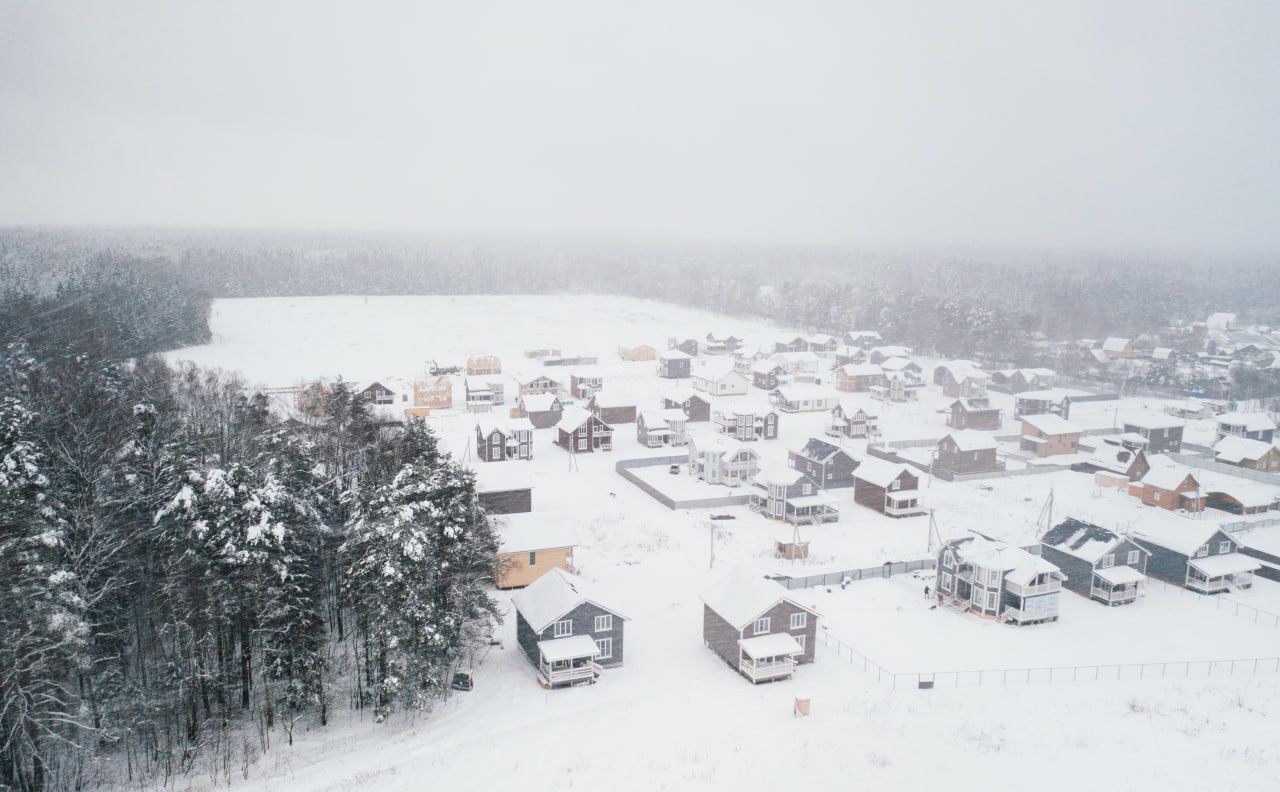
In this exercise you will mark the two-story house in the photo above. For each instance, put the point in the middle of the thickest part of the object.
(566, 632)
(757, 627)
(997, 581)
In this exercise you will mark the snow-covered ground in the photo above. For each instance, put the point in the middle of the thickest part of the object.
(675, 716)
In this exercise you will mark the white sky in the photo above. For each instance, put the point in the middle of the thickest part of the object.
(1077, 123)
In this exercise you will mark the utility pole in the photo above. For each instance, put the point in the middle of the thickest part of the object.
(711, 526)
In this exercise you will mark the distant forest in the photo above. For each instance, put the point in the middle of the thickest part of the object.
(953, 303)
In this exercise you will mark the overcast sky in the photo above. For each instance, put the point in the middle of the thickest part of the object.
(1116, 123)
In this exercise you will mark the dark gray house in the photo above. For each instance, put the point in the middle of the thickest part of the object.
(504, 489)
(674, 364)
(827, 465)
(1250, 426)
(755, 626)
(1099, 563)
(568, 635)
(1195, 554)
(1160, 434)
(783, 493)
(999, 581)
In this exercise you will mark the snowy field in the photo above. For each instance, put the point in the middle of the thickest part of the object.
(676, 717)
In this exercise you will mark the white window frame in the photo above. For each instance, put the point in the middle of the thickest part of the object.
(1224, 546)
(1107, 561)
(582, 443)
(991, 600)
(800, 639)
(1202, 551)
(761, 627)
(603, 623)
(605, 645)
(799, 621)
(562, 628)
(1133, 557)
(946, 581)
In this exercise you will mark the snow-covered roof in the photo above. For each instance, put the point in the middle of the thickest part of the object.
(1161, 353)
(1183, 535)
(1018, 565)
(660, 419)
(818, 449)
(1115, 344)
(1167, 478)
(1252, 422)
(552, 596)
(741, 596)
(524, 378)
(1224, 564)
(863, 334)
(803, 391)
(1081, 539)
(608, 398)
(1249, 494)
(852, 404)
(1120, 575)
(714, 372)
(573, 417)
(969, 440)
(1235, 450)
(861, 370)
(1112, 456)
(571, 648)
(892, 351)
(1150, 420)
(896, 364)
(1050, 424)
(674, 354)
(522, 533)
(771, 645)
(972, 404)
(488, 425)
(879, 472)
(538, 402)
(710, 442)
(682, 393)
(1048, 394)
(821, 339)
(776, 474)
(502, 477)
(766, 366)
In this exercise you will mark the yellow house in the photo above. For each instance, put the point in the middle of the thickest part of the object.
(434, 392)
(642, 352)
(530, 548)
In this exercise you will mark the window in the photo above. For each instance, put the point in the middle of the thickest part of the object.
(605, 645)
(800, 639)
(1132, 558)
(799, 621)
(946, 581)
(893, 485)
(1106, 561)
(533, 558)
(563, 629)
(603, 623)
(1203, 551)
(949, 559)
(1224, 547)
(807, 489)
(582, 444)
(994, 577)
(991, 601)
(762, 626)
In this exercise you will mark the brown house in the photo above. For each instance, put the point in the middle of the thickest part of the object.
(1252, 454)
(1049, 435)
(580, 432)
(964, 452)
(696, 406)
(858, 377)
(887, 487)
(612, 409)
(584, 384)
(973, 414)
(542, 409)
(756, 627)
(1170, 487)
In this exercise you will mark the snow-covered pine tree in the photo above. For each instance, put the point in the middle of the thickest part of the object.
(417, 555)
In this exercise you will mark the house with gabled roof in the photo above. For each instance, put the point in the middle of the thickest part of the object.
(719, 459)
(1251, 454)
(498, 440)
(1049, 435)
(890, 488)
(1098, 563)
(719, 379)
(579, 432)
(612, 407)
(964, 452)
(696, 406)
(542, 409)
(803, 398)
(854, 417)
(674, 364)
(566, 632)
(858, 377)
(827, 465)
(996, 580)
(783, 493)
(1171, 487)
(1194, 553)
(880, 354)
(657, 428)
(961, 379)
(529, 547)
(585, 382)
(757, 627)
(746, 423)
(534, 384)
(1154, 433)
(977, 413)
(1250, 426)
(636, 353)
(791, 343)
(898, 386)
(1115, 347)
(863, 338)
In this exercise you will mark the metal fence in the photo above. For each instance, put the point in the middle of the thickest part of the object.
(885, 570)
(623, 468)
(1222, 467)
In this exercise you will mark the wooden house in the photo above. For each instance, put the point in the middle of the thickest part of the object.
(965, 452)
(541, 352)
(696, 406)
(1048, 435)
(719, 380)
(961, 379)
(862, 338)
(504, 489)
(580, 432)
(800, 366)
(529, 547)
(1119, 348)
(637, 353)
(845, 355)
(858, 377)
(482, 365)
(880, 354)
(484, 393)
(757, 627)
(826, 465)
(1154, 433)
(854, 418)
(768, 374)
(784, 493)
(1195, 554)
(1042, 402)
(803, 398)
(743, 359)
(535, 384)
(898, 386)
(1251, 454)
(719, 459)
(567, 633)
(1098, 563)
(746, 424)
(791, 344)
(498, 441)
(381, 394)
(902, 364)
(543, 409)
(998, 581)
(887, 487)
(1250, 426)
(612, 408)
(823, 344)
(583, 385)
(976, 413)
(1025, 379)
(433, 393)
(1171, 487)
(1114, 464)
(713, 344)
(674, 364)
(689, 346)
(657, 428)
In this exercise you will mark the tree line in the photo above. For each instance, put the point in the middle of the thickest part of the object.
(187, 574)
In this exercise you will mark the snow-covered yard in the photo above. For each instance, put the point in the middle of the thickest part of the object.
(675, 716)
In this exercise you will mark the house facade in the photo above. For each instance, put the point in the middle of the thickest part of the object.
(1170, 487)
(584, 385)
(898, 386)
(854, 418)
(533, 385)
(754, 625)
(697, 407)
(858, 377)
(566, 633)
(1251, 454)
(1098, 563)
(973, 414)
(484, 393)
(637, 353)
(827, 465)
(889, 488)
(1249, 426)
(1048, 435)
(720, 380)
(803, 398)
(499, 441)
(580, 432)
(1197, 556)
(746, 424)
(674, 364)
(657, 428)
(530, 548)
(783, 493)
(966, 452)
(611, 408)
(995, 580)
(543, 409)
(482, 365)
(1160, 434)
(719, 459)
(434, 393)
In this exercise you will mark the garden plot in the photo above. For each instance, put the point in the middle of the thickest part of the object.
(892, 623)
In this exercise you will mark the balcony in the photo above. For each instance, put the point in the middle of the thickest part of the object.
(1117, 596)
(767, 669)
(1031, 591)
(584, 673)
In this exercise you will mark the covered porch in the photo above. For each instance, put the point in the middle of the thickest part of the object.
(1119, 585)
(1216, 574)
(903, 503)
(811, 509)
(568, 661)
(768, 657)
